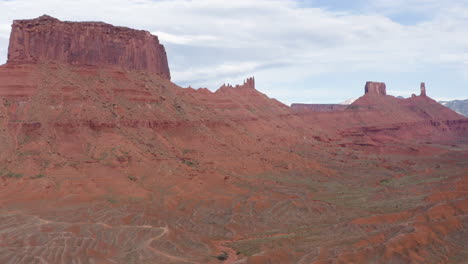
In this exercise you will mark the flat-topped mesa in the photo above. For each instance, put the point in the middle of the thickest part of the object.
(376, 88)
(423, 89)
(86, 43)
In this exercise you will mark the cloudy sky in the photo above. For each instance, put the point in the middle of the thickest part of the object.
(311, 51)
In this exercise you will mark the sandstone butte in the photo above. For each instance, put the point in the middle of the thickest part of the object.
(104, 160)
(88, 43)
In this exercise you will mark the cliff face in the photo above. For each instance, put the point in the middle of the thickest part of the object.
(376, 88)
(423, 89)
(86, 43)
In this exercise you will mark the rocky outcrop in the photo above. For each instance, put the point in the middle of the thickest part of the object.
(318, 107)
(249, 84)
(376, 88)
(423, 89)
(86, 43)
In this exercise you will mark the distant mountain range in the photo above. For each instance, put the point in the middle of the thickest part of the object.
(459, 106)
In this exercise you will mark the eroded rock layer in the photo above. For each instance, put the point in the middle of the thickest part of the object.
(376, 88)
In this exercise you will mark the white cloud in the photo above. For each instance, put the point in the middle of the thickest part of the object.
(408, 5)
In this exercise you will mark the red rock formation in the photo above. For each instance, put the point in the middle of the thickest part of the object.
(423, 89)
(377, 88)
(86, 43)
(249, 84)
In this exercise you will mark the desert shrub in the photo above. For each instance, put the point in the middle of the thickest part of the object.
(13, 175)
(132, 178)
(385, 182)
(223, 256)
(111, 200)
(38, 176)
(190, 163)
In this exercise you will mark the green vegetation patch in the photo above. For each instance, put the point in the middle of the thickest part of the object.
(411, 180)
(133, 178)
(254, 246)
(363, 197)
(111, 200)
(190, 163)
(13, 175)
(38, 176)
(385, 182)
(309, 180)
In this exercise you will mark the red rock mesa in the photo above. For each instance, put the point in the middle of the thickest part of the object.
(377, 88)
(86, 43)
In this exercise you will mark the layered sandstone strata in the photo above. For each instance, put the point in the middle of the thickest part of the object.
(423, 89)
(376, 88)
(86, 43)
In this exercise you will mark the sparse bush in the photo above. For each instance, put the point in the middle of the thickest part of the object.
(223, 256)
(13, 175)
(190, 163)
(385, 182)
(185, 151)
(38, 176)
(132, 178)
(111, 200)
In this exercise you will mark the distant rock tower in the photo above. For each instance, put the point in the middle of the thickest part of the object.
(423, 89)
(376, 88)
(249, 84)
